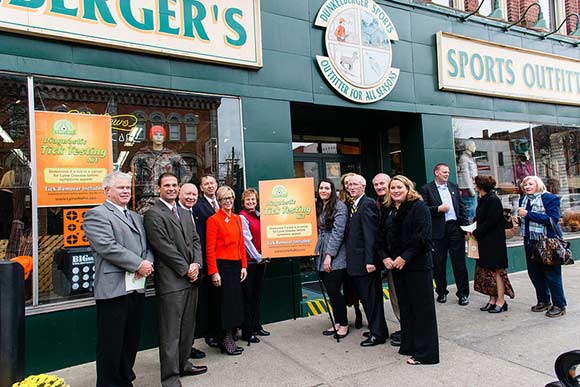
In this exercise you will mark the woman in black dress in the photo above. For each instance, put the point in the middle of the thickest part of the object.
(490, 269)
(407, 250)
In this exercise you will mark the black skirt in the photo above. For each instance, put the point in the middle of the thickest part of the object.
(230, 296)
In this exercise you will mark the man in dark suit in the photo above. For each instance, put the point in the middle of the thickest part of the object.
(188, 195)
(447, 214)
(206, 206)
(361, 260)
(117, 238)
(175, 242)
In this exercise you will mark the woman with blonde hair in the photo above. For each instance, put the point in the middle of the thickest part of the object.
(539, 216)
(407, 252)
(226, 265)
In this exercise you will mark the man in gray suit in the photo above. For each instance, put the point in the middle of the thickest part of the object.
(118, 240)
(177, 249)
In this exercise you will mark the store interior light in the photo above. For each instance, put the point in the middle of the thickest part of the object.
(133, 134)
(5, 136)
(122, 158)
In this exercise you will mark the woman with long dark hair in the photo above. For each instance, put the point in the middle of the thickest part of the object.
(330, 263)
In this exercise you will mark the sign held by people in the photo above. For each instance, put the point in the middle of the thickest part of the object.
(288, 218)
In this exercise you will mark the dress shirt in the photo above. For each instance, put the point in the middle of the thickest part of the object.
(171, 207)
(446, 199)
(212, 202)
(122, 209)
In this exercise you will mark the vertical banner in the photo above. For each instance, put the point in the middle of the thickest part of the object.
(288, 218)
(74, 153)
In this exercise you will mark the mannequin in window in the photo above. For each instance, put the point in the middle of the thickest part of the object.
(523, 167)
(467, 170)
(149, 163)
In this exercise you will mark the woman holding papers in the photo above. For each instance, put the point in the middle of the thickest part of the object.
(226, 264)
(490, 269)
(406, 250)
(331, 260)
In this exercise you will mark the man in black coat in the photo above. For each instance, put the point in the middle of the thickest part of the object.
(447, 214)
(361, 261)
(206, 206)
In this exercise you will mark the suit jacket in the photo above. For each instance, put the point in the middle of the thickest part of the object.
(433, 200)
(201, 212)
(359, 237)
(176, 245)
(331, 241)
(119, 246)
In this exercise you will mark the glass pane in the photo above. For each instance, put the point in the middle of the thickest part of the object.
(557, 150)
(486, 8)
(394, 138)
(307, 169)
(15, 203)
(147, 128)
(500, 149)
(549, 10)
(446, 3)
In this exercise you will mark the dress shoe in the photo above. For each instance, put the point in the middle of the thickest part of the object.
(367, 334)
(556, 311)
(339, 336)
(252, 339)
(212, 342)
(358, 319)
(262, 332)
(396, 335)
(396, 339)
(487, 307)
(190, 369)
(329, 332)
(498, 309)
(196, 353)
(541, 307)
(372, 341)
(463, 301)
(442, 298)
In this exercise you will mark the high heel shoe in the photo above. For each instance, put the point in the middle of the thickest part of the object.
(487, 307)
(499, 309)
(228, 346)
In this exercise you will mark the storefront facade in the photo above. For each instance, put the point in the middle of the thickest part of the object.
(275, 109)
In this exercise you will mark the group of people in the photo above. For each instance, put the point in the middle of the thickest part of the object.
(208, 268)
(410, 233)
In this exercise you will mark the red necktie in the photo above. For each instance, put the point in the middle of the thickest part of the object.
(214, 205)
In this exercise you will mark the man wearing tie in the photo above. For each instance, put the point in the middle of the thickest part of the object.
(447, 214)
(361, 260)
(207, 316)
(187, 198)
(117, 238)
(175, 242)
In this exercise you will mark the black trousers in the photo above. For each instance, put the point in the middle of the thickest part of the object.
(370, 289)
(333, 281)
(418, 320)
(454, 242)
(118, 332)
(252, 288)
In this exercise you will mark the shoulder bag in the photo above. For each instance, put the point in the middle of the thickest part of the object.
(552, 251)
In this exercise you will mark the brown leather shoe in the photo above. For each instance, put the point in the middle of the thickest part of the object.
(556, 311)
(541, 307)
(190, 369)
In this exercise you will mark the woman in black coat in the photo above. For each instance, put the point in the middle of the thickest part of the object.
(490, 270)
(407, 252)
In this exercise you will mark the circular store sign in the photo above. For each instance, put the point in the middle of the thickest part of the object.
(358, 44)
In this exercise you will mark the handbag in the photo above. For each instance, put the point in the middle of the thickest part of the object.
(552, 251)
(507, 219)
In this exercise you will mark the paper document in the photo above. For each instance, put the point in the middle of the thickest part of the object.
(469, 228)
(132, 284)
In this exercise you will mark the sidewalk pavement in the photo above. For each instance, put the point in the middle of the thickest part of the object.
(517, 348)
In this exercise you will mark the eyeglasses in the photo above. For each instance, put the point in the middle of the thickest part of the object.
(229, 198)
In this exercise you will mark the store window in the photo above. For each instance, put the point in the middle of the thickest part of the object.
(15, 199)
(457, 4)
(493, 8)
(510, 151)
(199, 135)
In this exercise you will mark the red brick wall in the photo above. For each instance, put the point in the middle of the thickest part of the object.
(571, 6)
(471, 5)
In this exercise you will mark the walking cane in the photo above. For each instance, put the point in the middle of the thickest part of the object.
(254, 318)
(327, 306)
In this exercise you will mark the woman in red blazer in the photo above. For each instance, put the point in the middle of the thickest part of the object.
(226, 264)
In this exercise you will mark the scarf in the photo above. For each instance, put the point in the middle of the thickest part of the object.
(536, 230)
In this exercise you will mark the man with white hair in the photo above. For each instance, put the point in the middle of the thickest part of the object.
(118, 240)
(361, 261)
